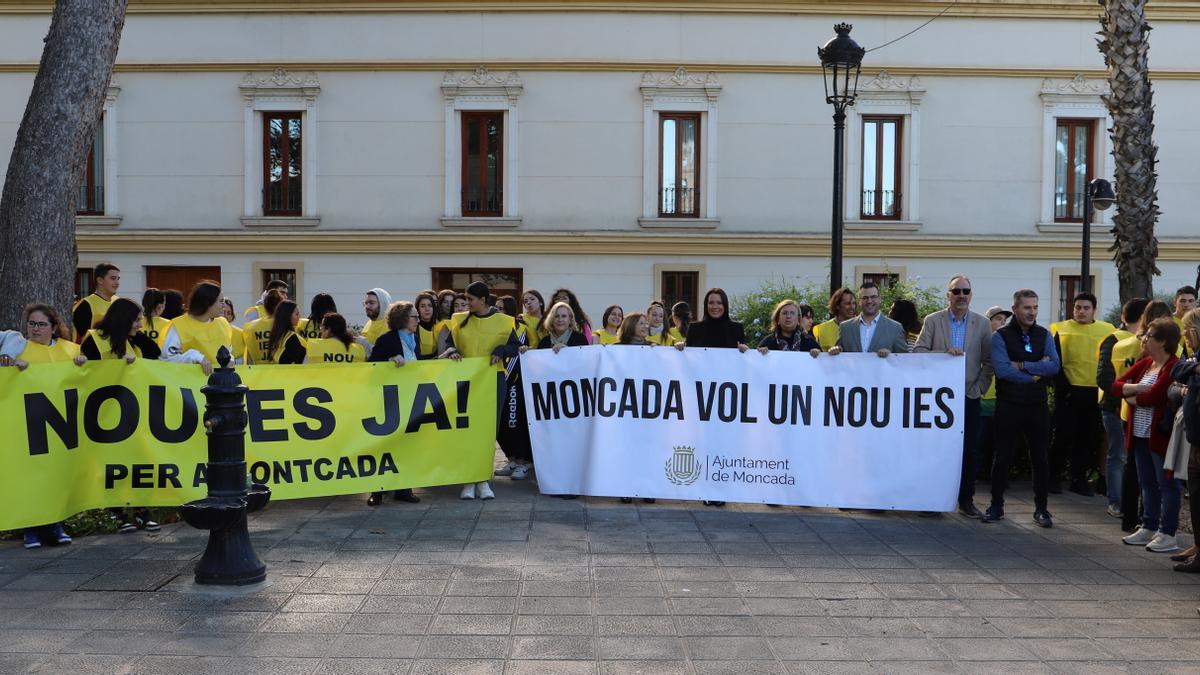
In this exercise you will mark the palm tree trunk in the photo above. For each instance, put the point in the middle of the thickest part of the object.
(1125, 43)
(37, 209)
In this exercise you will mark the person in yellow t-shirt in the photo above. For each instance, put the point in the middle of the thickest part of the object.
(197, 337)
(260, 310)
(256, 334)
(1185, 301)
(681, 318)
(610, 326)
(154, 326)
(46, 340)
(239, 340)
(284, 346)
(119, 335)
(375, 304)
(310, 328)
(842, 306)
(336, 343)
(656, 319)
(1111, 364)
(89, 310)
(1076, 413)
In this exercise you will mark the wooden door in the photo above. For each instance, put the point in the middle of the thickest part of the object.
(179, 277)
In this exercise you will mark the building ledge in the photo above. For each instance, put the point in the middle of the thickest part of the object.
(97, 221)
(275, 222)
(679, 223)
(485, 222)
(1072, 228)
(882, 226)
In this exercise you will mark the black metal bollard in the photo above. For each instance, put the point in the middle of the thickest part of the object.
(229, 559)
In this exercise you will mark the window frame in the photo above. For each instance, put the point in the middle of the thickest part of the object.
(697, 119)
(1072, 123)
(898, 153)
(465, 115)
(285, 154)
(518, 272)
(93, 183)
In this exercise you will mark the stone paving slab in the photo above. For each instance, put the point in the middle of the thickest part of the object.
(533, 584)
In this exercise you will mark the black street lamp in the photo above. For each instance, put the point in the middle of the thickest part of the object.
(841, 61)
(1098, 195)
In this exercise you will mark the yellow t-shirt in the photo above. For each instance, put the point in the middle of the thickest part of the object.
(1079, 344)
(307, 329)
(373, 329)
(104, 346)
(156, 329)
(827, 334)
(205, 337)
(481, 336)
(57, 351)
(603, 337)
(333, 350)
(254, 340)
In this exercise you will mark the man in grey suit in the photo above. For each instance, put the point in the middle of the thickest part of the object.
(958, 331)
(870, 331)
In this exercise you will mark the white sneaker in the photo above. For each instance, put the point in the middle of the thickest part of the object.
(521, 472)
(1163, 543)
(468, 491)
(1140, 538)
(485, 490)
(1114, 510)
(507, 469)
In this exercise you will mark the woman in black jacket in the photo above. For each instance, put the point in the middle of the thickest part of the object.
(717, 329)
(561, 330)
(791, 329)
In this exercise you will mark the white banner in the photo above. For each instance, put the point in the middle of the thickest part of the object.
(853, 430)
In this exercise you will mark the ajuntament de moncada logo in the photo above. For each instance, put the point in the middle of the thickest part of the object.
(684, 468)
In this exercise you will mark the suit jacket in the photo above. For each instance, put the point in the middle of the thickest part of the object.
(977, 348)
(889, 335)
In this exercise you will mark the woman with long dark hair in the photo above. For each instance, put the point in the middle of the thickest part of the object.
(119, 335)
(154, 302)
(582, 323)
(197, 337)
(173, 306)
(310, 328)
(717, 329)
(904, 312)
(428, 324)
(533, 317)
(284, 346)
(681, 318)
(610, 326)
(337, 343)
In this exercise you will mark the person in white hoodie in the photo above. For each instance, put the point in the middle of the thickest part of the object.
(375, 305)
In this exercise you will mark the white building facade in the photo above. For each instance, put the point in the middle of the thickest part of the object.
(627, 150)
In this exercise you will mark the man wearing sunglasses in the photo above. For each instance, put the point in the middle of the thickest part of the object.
(958, 331)
(1025, 362)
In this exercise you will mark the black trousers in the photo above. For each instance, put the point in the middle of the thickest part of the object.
(1014, 420)
(1076, 432)
(972, 427)
(1131, 494)
(1193, 478)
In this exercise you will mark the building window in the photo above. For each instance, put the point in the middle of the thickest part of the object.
(881, 166)
(681, 286)
(90, 200)
(1074, 141)
(882, 280)
(501, 282)
(85, 283)
(287, 275)
(679, 165)
(483, 164)
(282, 161)
(1068, 287)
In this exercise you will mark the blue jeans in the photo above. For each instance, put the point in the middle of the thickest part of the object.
(1160, 496)
(1115, 429)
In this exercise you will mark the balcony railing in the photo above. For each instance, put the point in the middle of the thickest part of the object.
(89, 200)
(679, 202)
(881, 204)
(278, 201)
(1068, 207)
(482, 202)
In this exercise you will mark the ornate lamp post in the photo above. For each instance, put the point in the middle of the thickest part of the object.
(1098, 195)
(841, 61)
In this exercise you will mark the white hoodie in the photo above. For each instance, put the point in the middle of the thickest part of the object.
(385, 301)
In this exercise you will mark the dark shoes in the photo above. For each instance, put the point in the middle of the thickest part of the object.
(1192, 566)
(713, 503)
(993, 514)
(970, 511)
(375, 499)
(406, 496)
(1083, 488)
(1042, 519)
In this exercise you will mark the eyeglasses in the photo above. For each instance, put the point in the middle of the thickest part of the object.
(38, 324)
(960, 291)
(1028, 347)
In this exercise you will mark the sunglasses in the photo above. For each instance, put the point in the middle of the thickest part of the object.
(960, 291)
(1028, 347)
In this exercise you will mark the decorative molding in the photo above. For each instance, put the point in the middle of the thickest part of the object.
(279, 90)
(504, 242)
(679, 223)
(1098, 229)
(680, 83)
(482, 82)
(882, 226)
(279, 222)
(1079, 85)
(280, 82)
(483, 223)
(885, 83)
(1177, 10)
(104, 221)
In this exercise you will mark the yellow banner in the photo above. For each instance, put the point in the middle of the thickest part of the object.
(112, 434)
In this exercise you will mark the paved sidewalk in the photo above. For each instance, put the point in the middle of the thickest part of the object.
(528, 584)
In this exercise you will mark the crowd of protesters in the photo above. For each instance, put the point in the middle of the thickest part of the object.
(1061, 389)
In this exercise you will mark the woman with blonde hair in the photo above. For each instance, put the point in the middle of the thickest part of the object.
(561, 329)
(790, 329)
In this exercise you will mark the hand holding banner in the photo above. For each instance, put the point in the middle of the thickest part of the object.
(853, 430)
